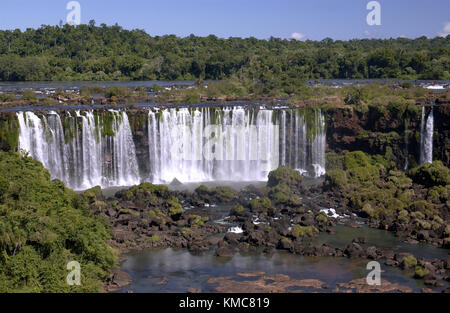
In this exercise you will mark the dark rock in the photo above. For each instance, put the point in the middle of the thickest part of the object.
(359, 240)
(232, 238)
(224, 251)
(176, 182)
(372, 253)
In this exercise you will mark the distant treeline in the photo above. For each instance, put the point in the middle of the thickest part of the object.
(88, 52)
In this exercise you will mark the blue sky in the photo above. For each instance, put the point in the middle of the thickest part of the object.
(312, 19)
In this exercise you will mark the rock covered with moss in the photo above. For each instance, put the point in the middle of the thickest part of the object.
(148, 215)
(392, 200)
(285, 175)
(431, 174)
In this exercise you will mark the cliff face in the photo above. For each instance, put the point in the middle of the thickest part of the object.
(393, 134)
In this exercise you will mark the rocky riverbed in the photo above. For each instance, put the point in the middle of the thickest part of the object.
(289, 216)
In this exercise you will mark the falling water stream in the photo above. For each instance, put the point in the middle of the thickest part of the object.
(426, 137)
(89, 148)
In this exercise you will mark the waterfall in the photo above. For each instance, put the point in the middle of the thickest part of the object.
(89, 158)
(307, 142)
(184, 144)
(89, 148)
(318, 145)
(426, 137)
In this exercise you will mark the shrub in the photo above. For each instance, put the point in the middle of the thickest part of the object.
(261, 205)
(303, 231)
(43, 226)
(355, 159)
(336, 179)
(286, 175)
(431, 174)
(409, 261)
(420, 272)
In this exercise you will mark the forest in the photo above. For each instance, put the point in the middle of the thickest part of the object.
(103, 53)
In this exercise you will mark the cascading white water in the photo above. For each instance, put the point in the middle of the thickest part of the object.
(86, 149)
(303, 142)
(426, 137)
(318, 145)
(186, 145)
(89, 159)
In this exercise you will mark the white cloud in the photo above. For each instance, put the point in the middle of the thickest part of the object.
(297, 36)
(446, 30)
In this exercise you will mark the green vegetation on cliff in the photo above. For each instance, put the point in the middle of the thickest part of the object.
(43, 227)
(389, 197)
(431, 174)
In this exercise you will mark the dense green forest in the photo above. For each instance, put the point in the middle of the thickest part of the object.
(89, 52)
(44, 226)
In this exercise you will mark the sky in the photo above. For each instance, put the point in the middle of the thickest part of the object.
(299, 19)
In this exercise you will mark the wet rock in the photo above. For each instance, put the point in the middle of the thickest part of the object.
(176, 182)
(354, 251)
(447, 263)
(264, 284)
(359, 240)
(372, 253)
(360, 286)
(423, 235)
(117, 280)
(232, 238)
(225, 251)
(214, 241)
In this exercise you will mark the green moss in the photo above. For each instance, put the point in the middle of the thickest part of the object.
(368, 211)
(322, 217)
(363, 174)
(155, 238)
(303, 231)
(431, 174)
(284, 175)
(220, 193)
(355, 159)
(394, 204)
(438, 219)
(447, 230)
(92, 193)
(196, 221)
(186, 231)
(409, 261)
(424, 207)
(261, 205)
(403, 217)
(400, 179)
(420, 272)
(282, 194)
(237, 210)
(286, 240)
(174, 206)
(417, 215)
(336, 179)
(424, 224)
